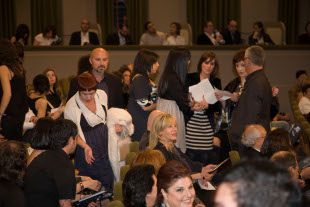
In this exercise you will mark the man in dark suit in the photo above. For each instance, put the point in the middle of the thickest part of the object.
(121, 37)
(252, 138)
(231, 35)
(255, 101)
(209, 35)
(84, 37)
(112, 85)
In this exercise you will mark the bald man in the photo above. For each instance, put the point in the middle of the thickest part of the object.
(84, 37)
(144, 142)
(252, 138)
(112, 85)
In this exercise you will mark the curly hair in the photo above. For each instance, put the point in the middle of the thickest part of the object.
(138, 182)
(9, 57)
(13, 159)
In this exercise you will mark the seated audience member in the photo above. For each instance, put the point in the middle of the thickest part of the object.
(48, 37)
(163, 136)
(252, 138)
(50, 178)
(304, 103)
(54, 95)
(209, 35)
(21, 35)
(84, 37)
(151, 36)
(37, 99)
(125, 74)
(231, 34)
(301, 81)
(12, 169)
(149, 157)
(175, 186)
(144, 142)
(140, 187)
(120, 128)
(121, 37)
(259, 36)
(257, 184)
(275, 141)
(305, 37)
(40, 139)
(175, 38)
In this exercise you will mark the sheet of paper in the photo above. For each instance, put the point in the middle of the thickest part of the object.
(226, 95)
(204, 88)
(209, 187)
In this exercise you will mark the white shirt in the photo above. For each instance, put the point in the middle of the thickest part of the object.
(304, 105)
(122, 40)
(172, 40)
(212, 38)
(152, 39)
(84, 38)
(43, 41)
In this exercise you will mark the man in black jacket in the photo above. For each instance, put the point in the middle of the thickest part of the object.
(231, 34)
(84, 37)
(121, 37)
(112, 85)
(255, 101)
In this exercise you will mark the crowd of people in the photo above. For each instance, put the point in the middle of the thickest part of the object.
(151, 36)
(181, 139)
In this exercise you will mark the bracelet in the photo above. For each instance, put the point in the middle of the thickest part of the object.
(82, 186)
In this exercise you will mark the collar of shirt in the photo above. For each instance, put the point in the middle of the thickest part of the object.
(122, 39)
(84, 38)
(249, 77)
(212, 38)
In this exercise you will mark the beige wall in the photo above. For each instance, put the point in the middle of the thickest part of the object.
(163, 12)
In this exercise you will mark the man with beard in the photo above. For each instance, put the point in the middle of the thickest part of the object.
(112, 85)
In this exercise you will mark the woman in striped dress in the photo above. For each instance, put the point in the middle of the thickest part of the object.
(200, 127)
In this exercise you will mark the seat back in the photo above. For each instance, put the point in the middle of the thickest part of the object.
(276, 31)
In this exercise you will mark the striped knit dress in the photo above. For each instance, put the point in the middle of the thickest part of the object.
(199, 133)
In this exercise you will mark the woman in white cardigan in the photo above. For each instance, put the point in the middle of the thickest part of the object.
(88, 110)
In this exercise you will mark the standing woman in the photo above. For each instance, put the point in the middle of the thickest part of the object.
(142, 92)
(88, 110)
(200, 127)
(13, 106)
(172, 90)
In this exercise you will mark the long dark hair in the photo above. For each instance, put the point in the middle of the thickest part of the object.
(261, 26)
(21, 31)
(176, 65)
(144, 62)
(205, 56)
(9, 58)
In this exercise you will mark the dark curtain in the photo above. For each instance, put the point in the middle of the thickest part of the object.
(218, 11)
(44, 13)
(105, 15)
(288, 14)
(8, 20)
(137, 15)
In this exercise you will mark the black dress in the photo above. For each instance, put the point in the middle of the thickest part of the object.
(12, 121)
(32, 105)
(97, 139)
(54, 99)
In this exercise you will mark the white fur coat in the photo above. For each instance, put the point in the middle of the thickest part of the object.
(123, 118)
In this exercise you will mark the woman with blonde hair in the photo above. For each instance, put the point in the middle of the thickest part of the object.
(162, 137)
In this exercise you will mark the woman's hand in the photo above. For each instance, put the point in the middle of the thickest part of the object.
(275, 91)
(218, 96)
(92, 184)
(206, 176)
(89, 155)
(203, 104)
(85, 178)
(235, 97)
